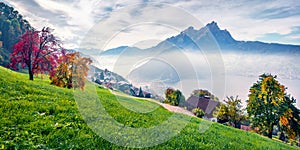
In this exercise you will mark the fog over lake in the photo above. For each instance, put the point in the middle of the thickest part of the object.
(225, 74)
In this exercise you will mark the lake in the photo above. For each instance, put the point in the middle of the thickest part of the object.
(228, 74)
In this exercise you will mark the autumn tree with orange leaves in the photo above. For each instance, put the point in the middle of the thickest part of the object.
(72, 71)
(290, 120)
(270, 105)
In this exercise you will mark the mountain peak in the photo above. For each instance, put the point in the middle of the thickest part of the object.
(213, 25)
(189, 36)
(223, 37)
(191, 28)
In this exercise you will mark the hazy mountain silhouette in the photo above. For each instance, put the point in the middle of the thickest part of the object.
(209, 37)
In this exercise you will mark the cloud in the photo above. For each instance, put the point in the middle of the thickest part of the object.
(276, 13)
(134, 25)
(238, 16)
(289, 38)
(245, 20)
(70, 19)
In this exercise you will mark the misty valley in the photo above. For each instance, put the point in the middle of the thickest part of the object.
(191, 70)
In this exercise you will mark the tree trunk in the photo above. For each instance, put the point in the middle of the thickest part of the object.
(30, 72)
(270, 131)
(236, 124)
(29, 63)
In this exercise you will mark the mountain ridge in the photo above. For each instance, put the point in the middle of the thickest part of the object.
(212, 35)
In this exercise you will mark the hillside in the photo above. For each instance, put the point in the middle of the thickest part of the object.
(12, 25)
(94, 69)
(36, 115)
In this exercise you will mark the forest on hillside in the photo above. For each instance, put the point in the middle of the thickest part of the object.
(12, 26)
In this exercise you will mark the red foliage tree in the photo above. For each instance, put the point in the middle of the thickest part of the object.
(39, 51)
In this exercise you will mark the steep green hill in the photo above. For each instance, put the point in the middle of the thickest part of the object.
(36, 115)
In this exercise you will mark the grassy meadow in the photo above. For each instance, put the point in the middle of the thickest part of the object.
(37, 115)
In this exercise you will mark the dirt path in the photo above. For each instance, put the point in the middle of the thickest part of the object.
(166, 106)
(177, 109)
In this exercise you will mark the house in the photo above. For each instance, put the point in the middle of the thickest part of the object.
(245, 127)
(134, 91)
(204, 103)
(147, 95)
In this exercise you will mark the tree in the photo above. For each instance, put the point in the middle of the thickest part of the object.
(101, 76)
(38, 51)
(269, 104)
(221, 113)
(290, 120)
(173, 97)
(141, 93)
(72, 71)
(204, 93)
(12, 27)
(231, 111)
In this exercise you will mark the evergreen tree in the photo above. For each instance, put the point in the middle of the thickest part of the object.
(141, 93)
(101, 76)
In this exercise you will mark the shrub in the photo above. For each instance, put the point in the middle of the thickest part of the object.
(198, 112)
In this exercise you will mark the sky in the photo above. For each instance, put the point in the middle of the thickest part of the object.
(272, 21)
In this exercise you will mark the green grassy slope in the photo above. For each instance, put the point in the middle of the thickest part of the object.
(34, 114)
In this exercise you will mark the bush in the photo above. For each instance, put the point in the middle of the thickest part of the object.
(198, 112)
